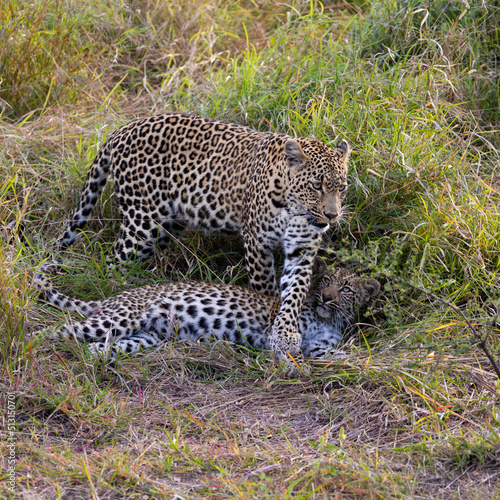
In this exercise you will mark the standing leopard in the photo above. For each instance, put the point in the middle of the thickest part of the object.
(142, 317)
(174, 171)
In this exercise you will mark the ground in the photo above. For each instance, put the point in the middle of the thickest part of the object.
(188, 421)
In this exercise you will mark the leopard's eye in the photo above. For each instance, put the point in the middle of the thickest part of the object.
(342, 188)
(317, 185)
(345, 289)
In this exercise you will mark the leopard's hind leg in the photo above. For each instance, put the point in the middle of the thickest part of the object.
(129, 345)
(95, 329)
(105, 337)
(133, 245)
(140, 233)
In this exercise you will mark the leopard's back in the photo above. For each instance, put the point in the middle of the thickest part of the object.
(169, 171)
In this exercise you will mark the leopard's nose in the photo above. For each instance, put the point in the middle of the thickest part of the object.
(327, 297)
(332, 216)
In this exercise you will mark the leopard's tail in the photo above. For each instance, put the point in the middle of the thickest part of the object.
(43, 281)
(97, 178)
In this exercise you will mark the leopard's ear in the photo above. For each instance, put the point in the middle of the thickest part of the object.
(295, 157)
(372, 286)
(319, 268)
(344, 150)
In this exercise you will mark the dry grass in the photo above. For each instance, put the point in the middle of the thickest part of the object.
(196, 422)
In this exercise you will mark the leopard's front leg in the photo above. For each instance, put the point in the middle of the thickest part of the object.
(300, 245)
(260, 265)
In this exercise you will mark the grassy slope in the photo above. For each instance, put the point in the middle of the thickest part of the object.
(413, 411)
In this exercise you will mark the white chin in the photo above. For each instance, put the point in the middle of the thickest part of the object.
(323, 312)
(320, 229)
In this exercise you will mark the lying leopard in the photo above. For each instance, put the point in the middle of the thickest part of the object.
(174, 171)
(143, 317)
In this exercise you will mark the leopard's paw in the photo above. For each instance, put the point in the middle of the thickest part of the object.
(286, 348)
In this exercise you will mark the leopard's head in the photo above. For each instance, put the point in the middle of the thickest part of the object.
(318, 178)
(343, 292)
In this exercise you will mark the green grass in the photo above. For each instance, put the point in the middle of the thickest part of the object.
(413, 411)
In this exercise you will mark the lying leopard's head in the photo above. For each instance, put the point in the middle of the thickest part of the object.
(342, 291)
(318, 178)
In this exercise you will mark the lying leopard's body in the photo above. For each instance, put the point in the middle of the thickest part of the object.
(143, 317)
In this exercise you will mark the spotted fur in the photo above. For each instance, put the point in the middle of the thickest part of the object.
(142, 317)
(174, 171)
